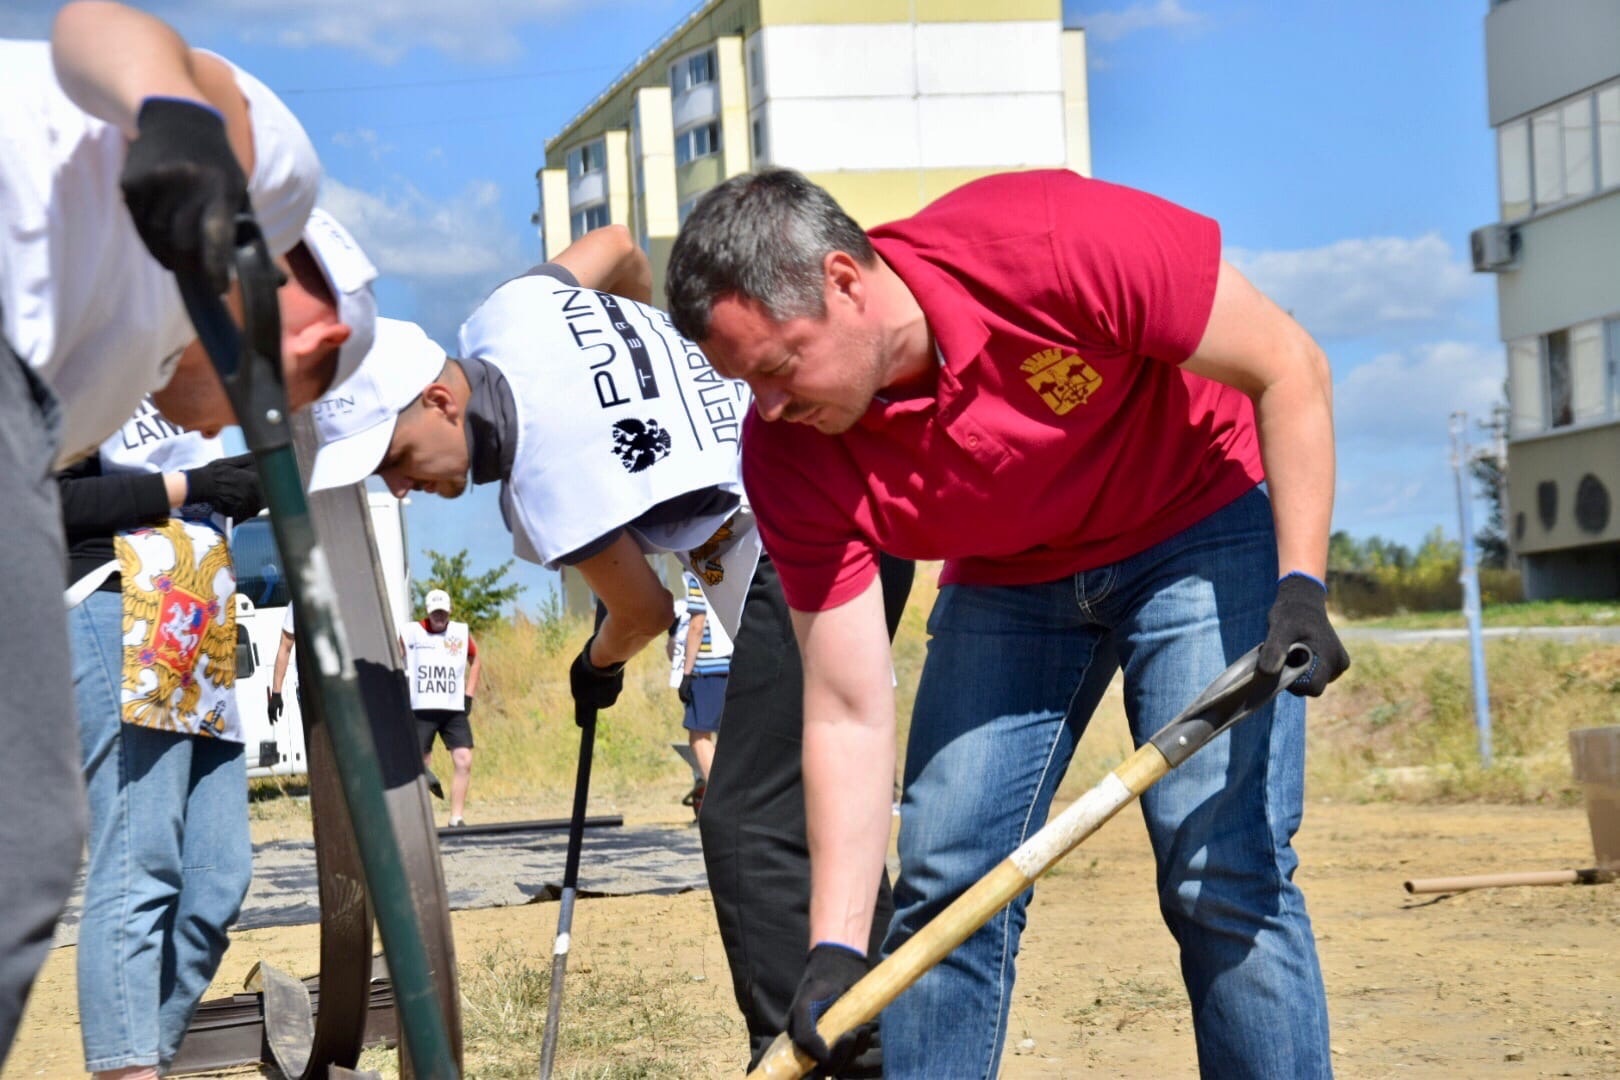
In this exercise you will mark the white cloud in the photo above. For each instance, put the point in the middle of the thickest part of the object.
(1357, 288)
(365, 139)
(1391, 422)
(1408, 397)
(449, 253)
(466, 29)
(413, 236)
(1160, 15)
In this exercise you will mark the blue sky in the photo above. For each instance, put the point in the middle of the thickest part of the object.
(1343, 148)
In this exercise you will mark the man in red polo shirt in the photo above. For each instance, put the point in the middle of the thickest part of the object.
(1124, 453)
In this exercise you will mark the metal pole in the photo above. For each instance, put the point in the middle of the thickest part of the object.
(586, 716)
(1470, 584)
(249, 363)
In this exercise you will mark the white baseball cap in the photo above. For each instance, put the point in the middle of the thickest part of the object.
(356, 421)
(350, 274)
(438, 600)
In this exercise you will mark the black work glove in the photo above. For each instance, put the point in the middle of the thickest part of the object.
(594, 687)
(684, 691)
(828, 974)
(229, 486)
(466, 703)
(183, 186)
(275, 706)
(1299, 616)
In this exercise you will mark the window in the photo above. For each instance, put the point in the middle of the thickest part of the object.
(694, 70)
(1560, 403)
(1589, 376)
(259, 574)
(1577, 125)
(586, 159)
(697, 142)
(1565, 378)
(1524, 385)
(1513, 167)
(1573, 151)
(1611, 349)
(762, 152)
(1608, 140)
(592, 217)
(1548, 158)
(753, 66)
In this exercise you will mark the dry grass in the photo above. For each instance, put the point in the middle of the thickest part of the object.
(620, 1025)
(1398, 726)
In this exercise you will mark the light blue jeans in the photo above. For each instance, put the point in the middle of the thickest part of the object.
(170, 859)
(1011, 680)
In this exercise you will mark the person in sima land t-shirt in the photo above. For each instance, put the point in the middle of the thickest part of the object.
(442, 667)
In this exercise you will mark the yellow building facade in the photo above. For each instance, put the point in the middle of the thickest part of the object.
(885, 103)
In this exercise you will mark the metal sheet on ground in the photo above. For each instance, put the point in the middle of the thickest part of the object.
(480, 871)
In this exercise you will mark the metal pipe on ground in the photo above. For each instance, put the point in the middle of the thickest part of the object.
(1591, 876)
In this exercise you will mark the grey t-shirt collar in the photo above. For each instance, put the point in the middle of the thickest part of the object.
(492, 430)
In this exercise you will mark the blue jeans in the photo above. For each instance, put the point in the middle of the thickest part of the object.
(1012, 677)
(170, 859)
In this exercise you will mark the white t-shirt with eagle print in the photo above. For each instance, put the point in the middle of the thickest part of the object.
(616, 413)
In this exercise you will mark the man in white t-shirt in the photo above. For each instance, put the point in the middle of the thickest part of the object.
(610, 435)
(442, 668)
(613, 437)
(124, 156)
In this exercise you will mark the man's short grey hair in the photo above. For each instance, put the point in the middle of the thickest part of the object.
(759, 236)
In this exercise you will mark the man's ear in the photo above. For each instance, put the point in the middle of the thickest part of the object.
(440, 398)
(844, 279)
(316, 338)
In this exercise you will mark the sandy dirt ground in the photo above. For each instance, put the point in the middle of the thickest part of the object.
(1503, 983)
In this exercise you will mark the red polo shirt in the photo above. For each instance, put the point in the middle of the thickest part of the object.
(1061, 434)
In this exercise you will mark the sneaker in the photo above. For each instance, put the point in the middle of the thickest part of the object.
(456, 823)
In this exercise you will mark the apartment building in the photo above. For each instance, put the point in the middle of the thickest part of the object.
(885, 103)
(1553, 73)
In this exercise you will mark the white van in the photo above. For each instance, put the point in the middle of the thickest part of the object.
(261, 606)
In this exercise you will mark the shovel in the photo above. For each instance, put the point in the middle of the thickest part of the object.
(1237, 692)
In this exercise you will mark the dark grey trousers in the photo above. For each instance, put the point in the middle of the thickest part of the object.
(42, 808)
(752, 822)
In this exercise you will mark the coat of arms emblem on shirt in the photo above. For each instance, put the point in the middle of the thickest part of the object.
(179, 628)
(640, 444)
(1063, 381)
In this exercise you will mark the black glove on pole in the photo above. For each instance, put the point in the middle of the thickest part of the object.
(466, 704)
(593, 687)
(275, 706)
(183, 186)
(229, 486)
(1299, 616)
(828, 973)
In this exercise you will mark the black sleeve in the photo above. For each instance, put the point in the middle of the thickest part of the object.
(96, 505)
